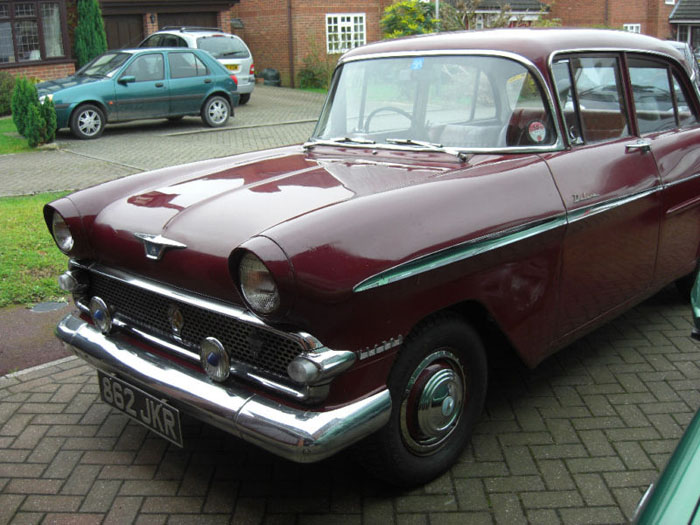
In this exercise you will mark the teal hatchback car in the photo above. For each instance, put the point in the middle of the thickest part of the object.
(134, 84)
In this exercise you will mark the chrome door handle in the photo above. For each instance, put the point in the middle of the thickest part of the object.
(641, 145)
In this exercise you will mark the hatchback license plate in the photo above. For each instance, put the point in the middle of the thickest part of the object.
(141, 406)
(233, 67)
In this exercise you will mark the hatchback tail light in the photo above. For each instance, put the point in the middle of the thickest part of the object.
(235, 80)
(252, 69)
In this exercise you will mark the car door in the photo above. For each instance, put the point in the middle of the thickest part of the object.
(667, 112)
(190, 80)
(141, 90)
(611, 191)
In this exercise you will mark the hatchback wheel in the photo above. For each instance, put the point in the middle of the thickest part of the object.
(216, 111)
(244, 99)
(87, 122)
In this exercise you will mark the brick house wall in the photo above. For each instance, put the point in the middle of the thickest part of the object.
(266, 29)
(652, 15)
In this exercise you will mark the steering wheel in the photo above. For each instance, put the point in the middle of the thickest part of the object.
(386, 108)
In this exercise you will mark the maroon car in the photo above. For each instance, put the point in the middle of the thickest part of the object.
(461, 192)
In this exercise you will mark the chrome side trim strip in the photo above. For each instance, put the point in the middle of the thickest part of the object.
(460, 252)
(601, 207)
(299, 435)
(681, 181)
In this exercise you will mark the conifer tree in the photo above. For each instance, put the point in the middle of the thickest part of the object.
(90, 38)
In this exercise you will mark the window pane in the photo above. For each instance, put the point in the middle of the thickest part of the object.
(601, 103)
(184, 65)
(146, 67)
(24, 9)
(686, 115)
(344, 32)
(51, 25)
(27, 38)
(7, 53)
(4, 11)
(652, 96)
(565, 93)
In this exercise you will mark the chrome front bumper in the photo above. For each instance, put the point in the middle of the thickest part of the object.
(303, 436)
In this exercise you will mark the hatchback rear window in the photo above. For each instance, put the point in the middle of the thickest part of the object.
(222, 46)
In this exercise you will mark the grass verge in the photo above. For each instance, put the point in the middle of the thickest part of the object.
(29, 259)
(10, 141)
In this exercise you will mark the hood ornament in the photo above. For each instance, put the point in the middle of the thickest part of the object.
(155, 245)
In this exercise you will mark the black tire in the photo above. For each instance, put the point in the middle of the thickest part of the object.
(87, 122)
(438, 388)
(244, 99)
(216, 111)
(684, 285)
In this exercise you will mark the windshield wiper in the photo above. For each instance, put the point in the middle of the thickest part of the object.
(339, 140)
(427, 145)
(411, 142)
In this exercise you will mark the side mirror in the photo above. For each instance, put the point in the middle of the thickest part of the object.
(127, 79)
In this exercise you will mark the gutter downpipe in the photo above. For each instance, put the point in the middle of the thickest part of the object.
(290, 43)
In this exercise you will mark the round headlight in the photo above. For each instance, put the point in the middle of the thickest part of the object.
(257, 285)
(61, 233)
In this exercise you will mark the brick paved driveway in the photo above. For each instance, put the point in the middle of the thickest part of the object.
(576, 440)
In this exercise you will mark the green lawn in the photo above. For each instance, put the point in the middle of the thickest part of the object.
(10, 141)
(29, 259)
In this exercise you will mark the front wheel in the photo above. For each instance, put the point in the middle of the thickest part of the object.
(438, 388)
(216, 111)
(87, 122)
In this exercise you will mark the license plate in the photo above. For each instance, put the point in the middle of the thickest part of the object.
(141, 406)
(233, 67)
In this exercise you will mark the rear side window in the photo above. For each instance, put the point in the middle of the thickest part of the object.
(686, 114)
(183, 65)
(152, 41)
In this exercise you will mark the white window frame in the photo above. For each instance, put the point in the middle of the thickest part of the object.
(339, 25)
(632, 28)
(670, 2)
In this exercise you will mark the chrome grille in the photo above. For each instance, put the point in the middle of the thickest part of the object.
(148, 311)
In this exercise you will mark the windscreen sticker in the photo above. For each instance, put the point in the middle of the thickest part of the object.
(417, 63)
(537, 131)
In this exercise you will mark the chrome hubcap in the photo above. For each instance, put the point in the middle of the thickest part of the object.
(433, 402)
(218, 111)
(89, 122)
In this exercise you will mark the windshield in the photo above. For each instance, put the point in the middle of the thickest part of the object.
(464, 102)
(104, 65)
(223, 46)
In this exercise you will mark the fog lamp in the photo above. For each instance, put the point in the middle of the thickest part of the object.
(302, 371)
(214, 359)
(101, 316)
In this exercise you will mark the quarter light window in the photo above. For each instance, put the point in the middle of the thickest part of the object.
(345, 31)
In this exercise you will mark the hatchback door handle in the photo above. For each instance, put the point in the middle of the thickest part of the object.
(159, 84)
(641, 145)
(207, 81)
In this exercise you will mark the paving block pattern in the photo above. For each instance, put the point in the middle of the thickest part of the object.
(576, 440)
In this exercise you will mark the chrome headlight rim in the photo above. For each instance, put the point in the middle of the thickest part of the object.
(61, 233)
(257, 285)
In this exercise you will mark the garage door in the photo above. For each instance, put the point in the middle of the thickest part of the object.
(204, 19)
(123, 30)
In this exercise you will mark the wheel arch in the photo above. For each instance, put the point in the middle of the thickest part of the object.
(97, 103)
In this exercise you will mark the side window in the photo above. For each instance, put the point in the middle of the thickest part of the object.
(146, 67)
(595, 108)
(183, 65)
(152, 41)
(686, 114)
(653, 99)
(172, 41)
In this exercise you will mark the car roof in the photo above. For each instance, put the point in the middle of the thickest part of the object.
(537, 45)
